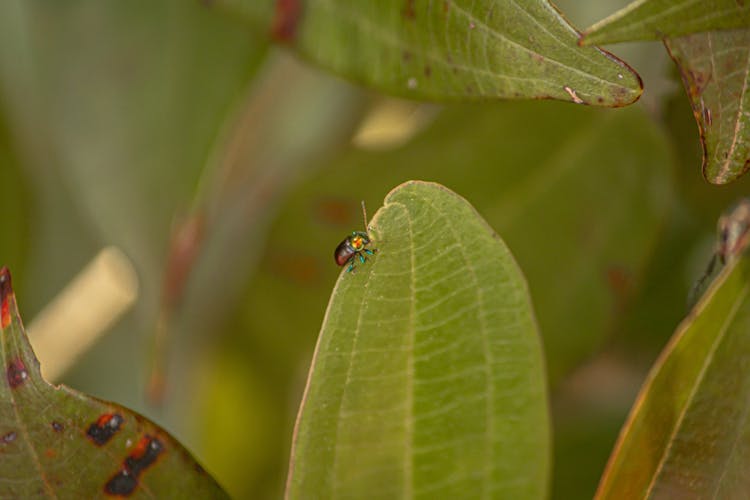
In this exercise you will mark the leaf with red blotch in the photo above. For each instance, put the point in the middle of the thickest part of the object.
(58, 443)
(452, 50)
(715, 69)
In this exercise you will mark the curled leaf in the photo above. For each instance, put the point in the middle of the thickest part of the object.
(688, 433)
(715, 69)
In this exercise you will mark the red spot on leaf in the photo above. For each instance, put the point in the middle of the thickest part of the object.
(4, 314)
(144, 455)
(50, 453)
(6, 292)
(288, 14)
(106, 426)
(16, 373)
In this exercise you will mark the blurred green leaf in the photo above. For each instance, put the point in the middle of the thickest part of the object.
(687, 433)
(449, 50)
(657, 19)
(292, 117)
(121, 104)
(715, 68)
(59, 443)
(592, 228)
(14, 203)
(117, 109)
(579, 186)
(428, 378)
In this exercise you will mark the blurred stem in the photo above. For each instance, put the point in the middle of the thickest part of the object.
(291, 116)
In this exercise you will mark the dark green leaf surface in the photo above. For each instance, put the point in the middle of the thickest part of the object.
(657, 19)
(456, 49)
(715, 69)
(58, 443)
(427, 381)
(688, 435)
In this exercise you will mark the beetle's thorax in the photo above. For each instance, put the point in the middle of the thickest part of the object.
(358, 240)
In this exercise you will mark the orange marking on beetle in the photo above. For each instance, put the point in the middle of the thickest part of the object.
(288, 14)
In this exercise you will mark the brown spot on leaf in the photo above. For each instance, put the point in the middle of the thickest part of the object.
(620, 282)
(286, 20)
(106, 426)
(427, 71)
(406, 56)
(9, 437)
(16, 373)
(144, 455)
(336, 212)
(696, 82)
(409, 12)
(298, 268)
(57, 426)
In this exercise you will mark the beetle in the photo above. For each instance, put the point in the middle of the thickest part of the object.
(354, 247)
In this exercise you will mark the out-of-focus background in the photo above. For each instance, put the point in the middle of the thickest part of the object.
(172, 188)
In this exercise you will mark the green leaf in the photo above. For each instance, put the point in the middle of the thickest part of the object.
(657, 19)
(715, 69)
(687, 434)
(427, 379)
(58, 443)
(456, 49)
(553, 165)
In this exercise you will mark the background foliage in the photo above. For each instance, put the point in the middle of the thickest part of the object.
(227, 169)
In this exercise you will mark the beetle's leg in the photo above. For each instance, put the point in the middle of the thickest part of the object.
(370, 252)
(351, 265)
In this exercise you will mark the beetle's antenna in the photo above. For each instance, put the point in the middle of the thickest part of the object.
(364, 215)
